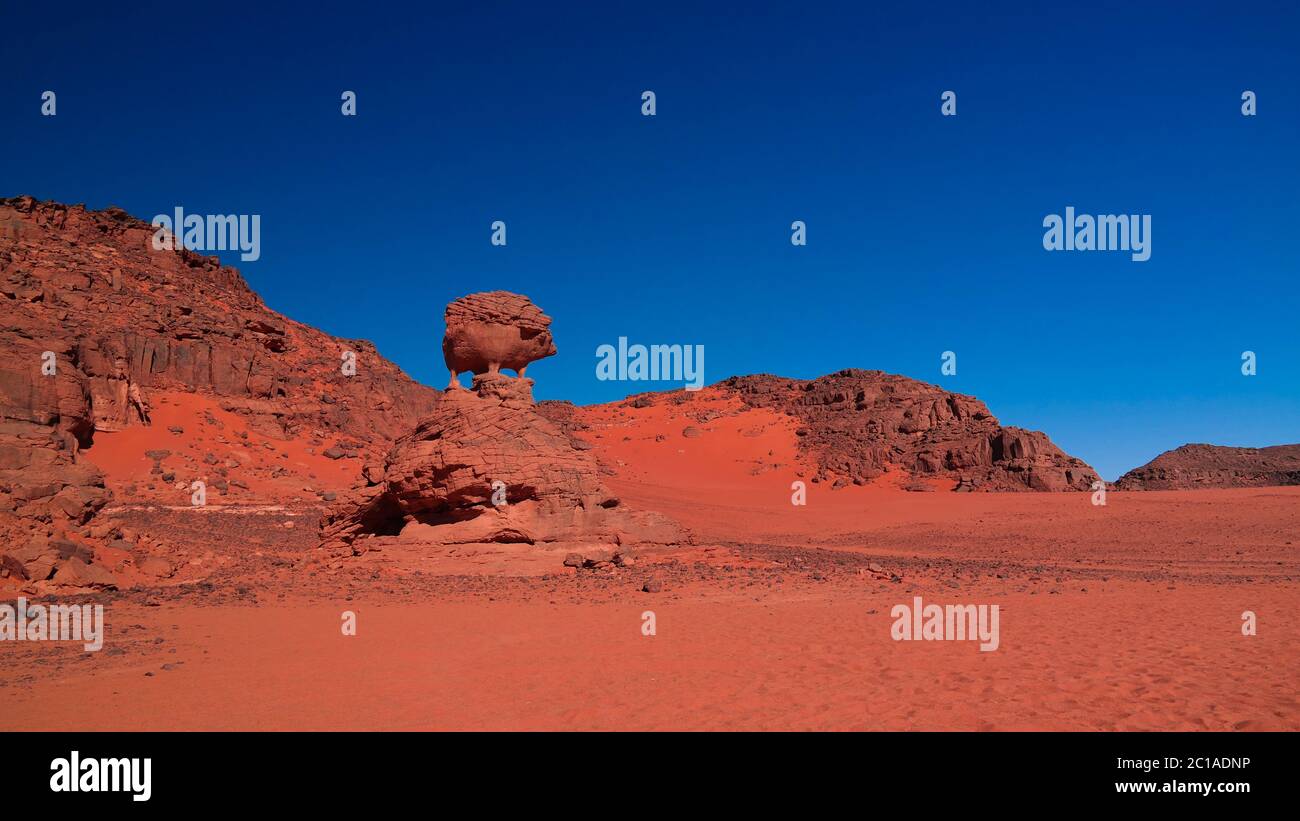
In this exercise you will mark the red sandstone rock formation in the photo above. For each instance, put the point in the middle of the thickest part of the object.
(859, 423)
(47, 500)
(85, 292)
(493, 330)
(1213, 466)
(486, 467)
(125, 319)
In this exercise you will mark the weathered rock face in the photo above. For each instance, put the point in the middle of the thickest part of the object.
(47, 500)
(123, 319)
(95, 320)
(486, 467)
(493, 330)
(858, 423)
(1212, 466)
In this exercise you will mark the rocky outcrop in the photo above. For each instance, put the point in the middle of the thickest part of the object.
(122, 320)
(95, 320)
(47, 500)
(486, 467)
(1213, 466)
(858, 424)
(493, 330)
(565, 416)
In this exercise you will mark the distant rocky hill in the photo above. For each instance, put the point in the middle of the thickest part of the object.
(1214, 466)
(857, 422)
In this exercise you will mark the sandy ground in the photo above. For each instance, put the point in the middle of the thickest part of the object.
(1134, 657)
(205, 443)
(1122, 617)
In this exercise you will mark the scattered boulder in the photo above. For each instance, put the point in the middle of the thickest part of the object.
(76, 572)
(154, 566)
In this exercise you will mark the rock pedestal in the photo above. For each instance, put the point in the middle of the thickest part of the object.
(486, 467)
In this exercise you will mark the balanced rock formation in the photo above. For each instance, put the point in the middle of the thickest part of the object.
(96, 321)
(1213, 466)
(486, 467)
(858, 424)
(493, 330)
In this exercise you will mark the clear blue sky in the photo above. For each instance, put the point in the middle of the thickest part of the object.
(925, 232)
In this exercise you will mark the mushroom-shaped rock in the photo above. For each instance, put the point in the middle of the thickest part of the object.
(493, 330)
(484, 467)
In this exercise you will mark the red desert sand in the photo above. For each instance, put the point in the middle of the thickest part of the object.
(1123, 617)
(333, 503)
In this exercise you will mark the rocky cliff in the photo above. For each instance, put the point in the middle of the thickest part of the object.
(857, 424)
(96, 321)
